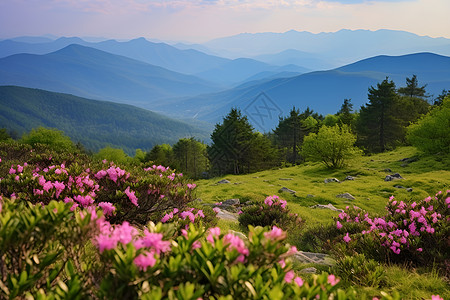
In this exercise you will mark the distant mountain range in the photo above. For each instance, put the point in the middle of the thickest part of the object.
(220, 70)
(91, 73)
(334, 48)
(96, 124)
(323, 91)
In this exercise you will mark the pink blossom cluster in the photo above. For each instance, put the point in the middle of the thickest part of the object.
(152, 244)
(275, 201)
(403, 222)
(186, 214)
(113, 173)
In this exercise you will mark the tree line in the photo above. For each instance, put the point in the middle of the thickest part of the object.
(391, 117)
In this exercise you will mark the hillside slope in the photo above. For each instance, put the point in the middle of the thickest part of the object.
(87, 72)
(95, 124)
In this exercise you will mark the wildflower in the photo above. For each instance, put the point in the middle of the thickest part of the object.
(167, 217)
(332, 280)
(268, 201)
(107, 207)
(236, 243)
(154, 241)
(419, 249)
(145, 260)
(436, 297)
(298, 281)
(289, 276)
(275, 234)
(213, 232)
(105, 242)
(338, 225)
(131, 196)
(12, 170)
(282, 263)
(347, 238)
(216, 210)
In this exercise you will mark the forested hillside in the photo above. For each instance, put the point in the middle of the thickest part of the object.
(95, 124)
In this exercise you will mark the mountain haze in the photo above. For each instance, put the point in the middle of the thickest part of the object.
(96, 74)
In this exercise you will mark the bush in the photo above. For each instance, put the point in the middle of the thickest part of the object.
(40, 247)
(331, 145)
(54, 138)
(416, 232)
(431, 134)
(359, 270)
(273, 212)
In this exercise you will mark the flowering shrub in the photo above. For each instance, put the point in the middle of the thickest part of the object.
(417, 231)
(137, 196)
(272, 212)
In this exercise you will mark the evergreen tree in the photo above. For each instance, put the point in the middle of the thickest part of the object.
(378, 126)
(231, 141)
(190, 156)
(439, 99)
(345, 114)
(292, 129)
(161, 155)
(412, 88)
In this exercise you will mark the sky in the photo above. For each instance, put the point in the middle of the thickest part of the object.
(197, 21)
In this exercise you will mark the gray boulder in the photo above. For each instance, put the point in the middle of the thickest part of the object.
(226, 215)
(346, 196)
(285, 178)
(329, 180)
(286, 190)
(349, 178)
(223, 181)
(310, 270)
(231, 202)
(393, 177)
(328, 206)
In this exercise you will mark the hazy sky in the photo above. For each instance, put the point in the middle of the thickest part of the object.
(201, 20)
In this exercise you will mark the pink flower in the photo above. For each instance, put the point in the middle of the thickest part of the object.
(19, 168)
(167, 217)
(275, 234)
(282, 263)
(131, 196)
(289, 276)
(298, 281)
(213, 232)
(100, 174)
(105, 242)
(200, 213)
(191, 186)
(268, 201)
(338, 225)
(107, 207)
(347, 238)
(332, 280)
(153, 240)
(216, 210)
(12, 170)
(47, 186)
(436, 297)
(419, 249)
(283, 203)
(145, 260)
(235, 242)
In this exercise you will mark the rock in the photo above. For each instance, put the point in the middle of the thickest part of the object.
(409, 159)
(329, 180)
(393, 177)
(266, 180)
(409, 189)
(310, 257)
(399, 187)
(223, 181)
(286, 190)
(310, 196)
(239, 234)
(346, 196)
(285, 178)
(226, 215)
(231, 202)
(349, 178)
(236, 183)
(310, 270)
(387, 170)
(328, 206)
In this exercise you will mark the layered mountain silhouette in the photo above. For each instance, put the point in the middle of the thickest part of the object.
(323, 91)
(96, 124)
(88, 72)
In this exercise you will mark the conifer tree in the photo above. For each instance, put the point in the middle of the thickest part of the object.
(412, 88)
(378, 126)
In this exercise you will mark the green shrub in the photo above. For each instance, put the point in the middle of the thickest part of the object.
(273, 212)
(359, 270)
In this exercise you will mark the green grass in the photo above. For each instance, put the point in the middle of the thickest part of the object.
(426, 176)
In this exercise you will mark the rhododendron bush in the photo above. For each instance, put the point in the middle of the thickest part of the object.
(137, 196)
(417, 231)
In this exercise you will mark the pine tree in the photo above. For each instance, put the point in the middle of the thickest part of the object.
(231, 141)
(379, 127)
(412, 88)
(345, 114)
